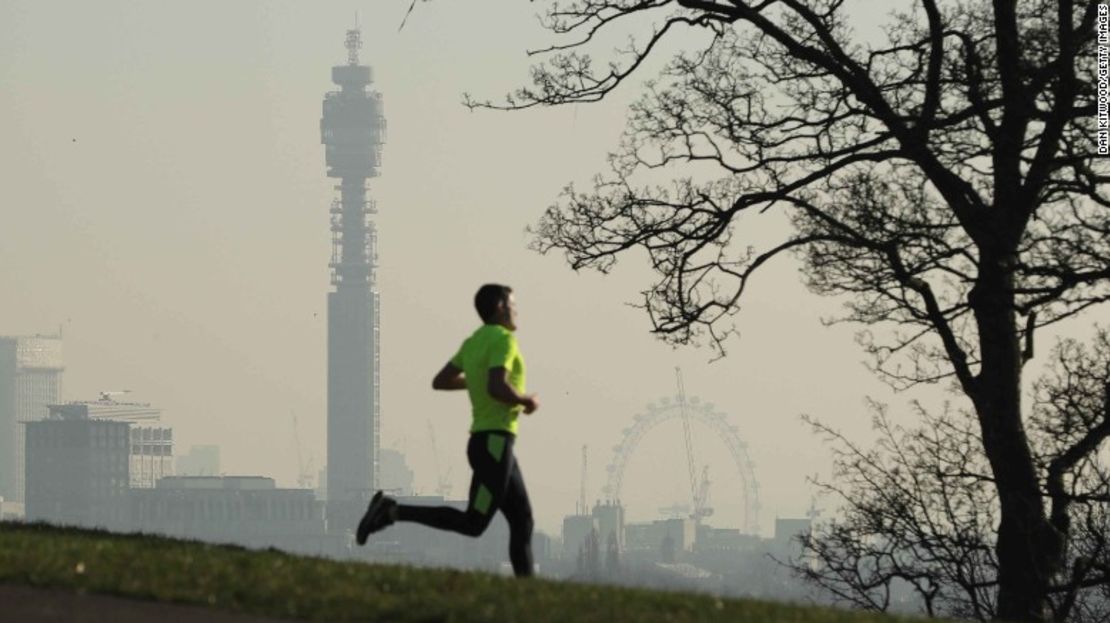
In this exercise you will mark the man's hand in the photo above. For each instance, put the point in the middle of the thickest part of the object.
(499, 388)
(531, 402)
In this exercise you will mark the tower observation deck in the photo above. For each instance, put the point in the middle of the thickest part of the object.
(352, 130)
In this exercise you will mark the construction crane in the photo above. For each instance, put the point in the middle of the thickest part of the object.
(443, 482)
(699, 492)
(582, 508)
(304, 472)
(701, 498)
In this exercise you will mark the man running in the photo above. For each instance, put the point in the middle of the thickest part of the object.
(490, 368)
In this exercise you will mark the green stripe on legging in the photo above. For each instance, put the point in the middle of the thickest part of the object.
(496, 447)
(483, 499)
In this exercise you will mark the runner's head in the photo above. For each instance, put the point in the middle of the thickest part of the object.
(495, 305)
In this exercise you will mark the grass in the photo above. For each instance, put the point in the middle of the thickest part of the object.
(277, 584)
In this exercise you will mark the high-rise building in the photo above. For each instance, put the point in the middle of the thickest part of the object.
(151, 443)
(77, 469)
(30, 379)
(352, 130)
(610, 523)
(576, 531)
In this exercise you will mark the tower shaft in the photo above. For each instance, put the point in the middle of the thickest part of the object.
(352, 130)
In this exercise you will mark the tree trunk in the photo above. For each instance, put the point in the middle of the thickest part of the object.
(1029, 549)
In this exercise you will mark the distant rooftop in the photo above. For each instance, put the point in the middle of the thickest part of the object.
(252, 483)
(106, 409)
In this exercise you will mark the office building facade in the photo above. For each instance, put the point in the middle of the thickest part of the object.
(77, 470)
(30, 379)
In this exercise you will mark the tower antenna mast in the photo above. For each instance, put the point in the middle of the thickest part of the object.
(353, 43)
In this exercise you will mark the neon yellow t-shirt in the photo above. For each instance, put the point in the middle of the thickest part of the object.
(491, 346)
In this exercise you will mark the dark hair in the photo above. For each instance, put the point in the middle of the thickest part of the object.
(487, 298)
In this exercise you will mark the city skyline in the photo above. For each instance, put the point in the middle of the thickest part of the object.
(183, 191)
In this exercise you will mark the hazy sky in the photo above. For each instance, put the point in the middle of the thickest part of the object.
(163, 199)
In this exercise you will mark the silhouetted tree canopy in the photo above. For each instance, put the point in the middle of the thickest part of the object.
(942, 179)
(920, 508)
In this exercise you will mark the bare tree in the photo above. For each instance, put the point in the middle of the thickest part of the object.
(944, 181)
(1070, 424)
(920, 507)
(918, 514)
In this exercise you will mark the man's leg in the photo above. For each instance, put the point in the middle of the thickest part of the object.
(518, 510)
(469, 522)
(490, 456)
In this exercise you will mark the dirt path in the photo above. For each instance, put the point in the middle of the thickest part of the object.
(42, 605)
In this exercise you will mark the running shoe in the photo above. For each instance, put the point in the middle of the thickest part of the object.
(378, 515)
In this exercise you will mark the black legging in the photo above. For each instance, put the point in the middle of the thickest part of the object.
(497, 484)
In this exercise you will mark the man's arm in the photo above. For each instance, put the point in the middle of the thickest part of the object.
(450, 377)
(498, 387)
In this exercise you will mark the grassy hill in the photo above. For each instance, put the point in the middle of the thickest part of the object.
(278, 584)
